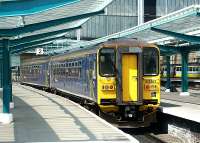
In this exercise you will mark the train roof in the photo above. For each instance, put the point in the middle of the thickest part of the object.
(33, 61)
(90, 50)
(126, 43)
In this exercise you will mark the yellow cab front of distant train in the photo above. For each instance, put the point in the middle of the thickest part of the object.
(128, 79)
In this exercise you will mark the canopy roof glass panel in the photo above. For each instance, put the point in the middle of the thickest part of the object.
(65, 11)
(69, 25)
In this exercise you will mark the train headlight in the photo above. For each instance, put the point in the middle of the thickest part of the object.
(107, 87)
(151, 87)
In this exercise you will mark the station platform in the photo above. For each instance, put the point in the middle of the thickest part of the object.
(179, 80)
(44, 117)
(187, 107)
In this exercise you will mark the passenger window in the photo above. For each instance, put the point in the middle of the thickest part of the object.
(80, 63)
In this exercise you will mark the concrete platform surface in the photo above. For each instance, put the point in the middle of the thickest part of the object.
(43, 117)
(187, 107)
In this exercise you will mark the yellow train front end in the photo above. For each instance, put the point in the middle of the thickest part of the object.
(128, 79)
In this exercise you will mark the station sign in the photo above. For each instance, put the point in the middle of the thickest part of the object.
(39, 51)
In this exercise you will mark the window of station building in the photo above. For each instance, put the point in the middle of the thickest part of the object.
(149, 10)
(150, 61)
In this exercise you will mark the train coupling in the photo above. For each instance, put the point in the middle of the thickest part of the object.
(130, 112)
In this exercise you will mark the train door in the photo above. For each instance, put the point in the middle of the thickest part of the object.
(91, 73)
(129, 78)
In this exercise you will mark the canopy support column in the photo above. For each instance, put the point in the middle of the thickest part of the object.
(168, 82)
(184, 73)
(6, 117)
(140, 12)
(10, 83)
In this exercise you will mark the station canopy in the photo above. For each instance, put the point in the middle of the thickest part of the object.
(25, 21)
(182, 25)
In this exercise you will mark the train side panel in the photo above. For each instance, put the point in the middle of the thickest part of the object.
(35, 73)
(76, 76)
(175, 71)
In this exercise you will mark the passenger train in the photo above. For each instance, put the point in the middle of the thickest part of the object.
(175, 71)
(119, 77)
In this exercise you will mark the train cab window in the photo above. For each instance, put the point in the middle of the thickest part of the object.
(107, 62)
(150, 61)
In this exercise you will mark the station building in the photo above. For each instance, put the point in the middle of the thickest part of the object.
(124, 14)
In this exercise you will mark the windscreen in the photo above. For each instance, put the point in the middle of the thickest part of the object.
(150, 61)
(107, 62)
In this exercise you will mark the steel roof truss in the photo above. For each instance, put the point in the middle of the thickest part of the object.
(29, 48)
(39, 36)
(26, 45)
(189, 38)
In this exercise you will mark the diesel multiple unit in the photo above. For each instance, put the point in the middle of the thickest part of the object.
(120, 77)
